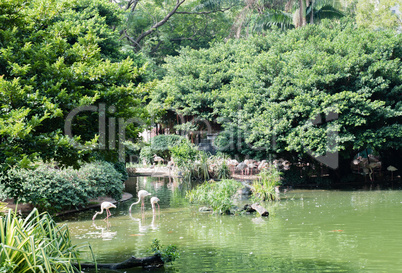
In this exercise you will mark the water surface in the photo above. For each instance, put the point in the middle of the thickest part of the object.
(307, 231)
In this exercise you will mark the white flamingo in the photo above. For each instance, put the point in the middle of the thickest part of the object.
(158, 159)
(105, 206)
(155, 200)
(141, 195)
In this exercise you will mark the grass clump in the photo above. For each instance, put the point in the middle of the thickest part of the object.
(217, 195)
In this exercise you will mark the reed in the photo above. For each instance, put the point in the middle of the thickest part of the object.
(36, 244)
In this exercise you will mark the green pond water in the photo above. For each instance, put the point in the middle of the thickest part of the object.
(307, 231)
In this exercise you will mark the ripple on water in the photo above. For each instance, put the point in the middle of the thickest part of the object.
(311, 231)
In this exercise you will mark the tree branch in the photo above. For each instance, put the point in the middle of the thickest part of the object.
(131, 40)
(205, 12)
(160, 23)
(132, 4)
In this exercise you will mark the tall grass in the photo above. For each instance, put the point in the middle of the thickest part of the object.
(264, 186)
(36, 244)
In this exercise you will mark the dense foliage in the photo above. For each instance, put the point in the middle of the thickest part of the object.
(55, 189)
(379, 14)
(319, 89)
(56, 56)
(36, 244)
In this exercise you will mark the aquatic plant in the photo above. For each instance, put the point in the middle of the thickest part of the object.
(217, 195)
(264, 187)
(36, 244)
(168, 253)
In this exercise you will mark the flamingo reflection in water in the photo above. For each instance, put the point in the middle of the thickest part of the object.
(105, 233)
(142, 228)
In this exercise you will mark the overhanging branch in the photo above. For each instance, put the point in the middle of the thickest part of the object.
(160, 23)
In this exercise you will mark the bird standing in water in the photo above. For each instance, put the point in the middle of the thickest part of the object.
(141, 195)
(105, 206)
(155, 200)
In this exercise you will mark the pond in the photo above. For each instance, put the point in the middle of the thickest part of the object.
(307, 231)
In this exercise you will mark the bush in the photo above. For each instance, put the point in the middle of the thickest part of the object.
(56, 189)
(217, 195)
(184, 153)
(121, 168)
(36, 244)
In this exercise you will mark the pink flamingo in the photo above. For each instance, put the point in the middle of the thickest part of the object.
(141, 195)
(105, 206)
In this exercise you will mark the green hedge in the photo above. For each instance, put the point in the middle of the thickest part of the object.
(56, 189)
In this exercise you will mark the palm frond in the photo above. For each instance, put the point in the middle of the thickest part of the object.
(328, 12)
(272, 18)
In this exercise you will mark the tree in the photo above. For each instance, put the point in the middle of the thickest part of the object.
(286, 14)
(310, 91)
(160, 28)
(379, 14)
(57, 56)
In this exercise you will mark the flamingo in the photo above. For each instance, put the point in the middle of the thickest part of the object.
(232, 163)
(392, 169)
(170, 165)
(158, 159)
(155, 200)
(141, 195)
(263, 164)
(104, 206)
(241, 167)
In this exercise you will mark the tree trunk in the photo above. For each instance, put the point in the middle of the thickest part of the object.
(312, 13)
(152, 261)
(262, 211)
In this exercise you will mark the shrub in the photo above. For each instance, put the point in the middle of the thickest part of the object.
(184, 153)
(161, 144)
(217, 195)
(121, 168)
(56, 189)
(36, 244)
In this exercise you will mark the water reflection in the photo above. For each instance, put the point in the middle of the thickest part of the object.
(142, 226)
(307, 231)
(104, 233)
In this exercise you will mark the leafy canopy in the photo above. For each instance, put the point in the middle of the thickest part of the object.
(56, 56)
(322, 88)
